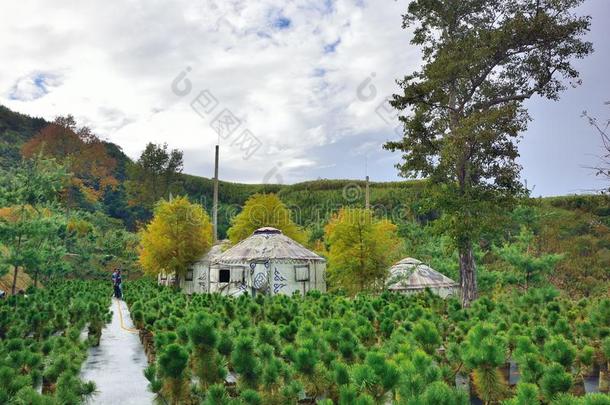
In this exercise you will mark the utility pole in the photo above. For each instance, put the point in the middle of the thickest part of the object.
(367, 197)
(215, 200)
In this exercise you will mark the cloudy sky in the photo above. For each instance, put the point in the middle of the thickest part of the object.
(294, 90)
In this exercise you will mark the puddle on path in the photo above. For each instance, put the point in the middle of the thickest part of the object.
(117, 364)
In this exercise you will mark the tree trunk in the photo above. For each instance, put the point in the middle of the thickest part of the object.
(14, 287)
(468, 276)
(18, 249)
(36, 279)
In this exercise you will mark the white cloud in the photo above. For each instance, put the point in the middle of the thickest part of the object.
(289, 70)
(34, 85)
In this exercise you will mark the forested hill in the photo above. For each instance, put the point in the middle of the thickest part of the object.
(311, 201)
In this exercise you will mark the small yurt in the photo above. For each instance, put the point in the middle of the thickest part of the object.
(267, 262)
(410, 276)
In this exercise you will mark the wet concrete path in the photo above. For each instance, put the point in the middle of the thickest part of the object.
(117, 364)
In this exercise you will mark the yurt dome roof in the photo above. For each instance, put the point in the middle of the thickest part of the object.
(412, 274)
(266, 244)
(215, 251)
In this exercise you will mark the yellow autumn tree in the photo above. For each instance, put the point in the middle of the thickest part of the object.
(264, 210)
(361, 249)
(179, 234)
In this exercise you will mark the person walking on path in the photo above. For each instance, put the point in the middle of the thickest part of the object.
(116, 282)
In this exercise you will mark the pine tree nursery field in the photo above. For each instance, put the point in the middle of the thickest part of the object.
(371, 349)
(44, 337)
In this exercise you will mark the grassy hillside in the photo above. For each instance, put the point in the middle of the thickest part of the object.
(23, 282)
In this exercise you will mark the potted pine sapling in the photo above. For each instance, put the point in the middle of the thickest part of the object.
(217, 395)
(172, 367)
(453, 360)
(417, 370)
(246, 364)
(150, 373)
(11, 382)
(225, 344)
(341, 378)
(427, 336)
(527, 394)
(554, 381)
(207, 364)
(311, 372)
(377, 377)
(51, 374)
(96, 323)
(71, 390)
(349, 395)
(560, 351)
(348, 346)
(483, 353)
(439, 393)
(277, 383)
(584, 361)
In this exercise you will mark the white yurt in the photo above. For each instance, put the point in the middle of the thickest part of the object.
(267, 262)
(410, 276)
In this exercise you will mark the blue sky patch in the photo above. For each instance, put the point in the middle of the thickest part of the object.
(330, 48)
(319, 72)
(282, 22)
(33, 86)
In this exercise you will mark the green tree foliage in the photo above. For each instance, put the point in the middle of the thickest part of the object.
(530, 266)
(361, 249)
(555, 381)
(284, 349)
(173, 370)
(29, 227)
(245, 363)
(262, 210)
(178, 235)
(154, 175)
(560, 350)
(427, 336)
(439, 393)
(481, 62)
(527, 394)
(15, 129)
(204, 338)
(484, 352)
(41, 351)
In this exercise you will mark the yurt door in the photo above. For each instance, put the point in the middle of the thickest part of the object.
(259, 277)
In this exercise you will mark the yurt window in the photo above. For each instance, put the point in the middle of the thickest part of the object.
(301, 273)
(238, 274)
(189, 275)
(224, 275)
